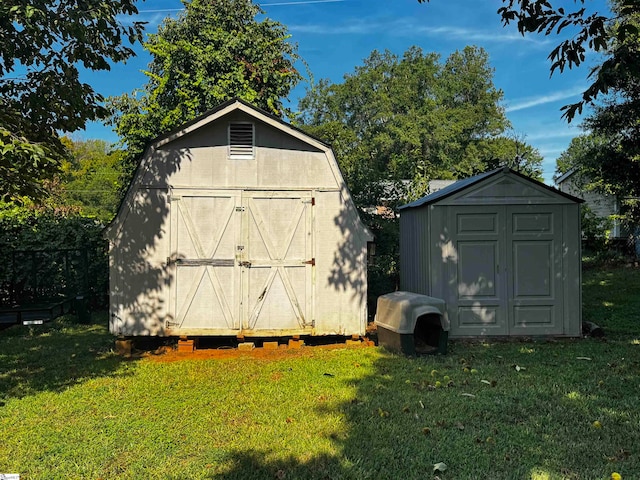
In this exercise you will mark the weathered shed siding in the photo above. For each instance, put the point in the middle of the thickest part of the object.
(207, 244)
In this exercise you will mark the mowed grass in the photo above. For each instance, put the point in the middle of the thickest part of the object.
(535, 409)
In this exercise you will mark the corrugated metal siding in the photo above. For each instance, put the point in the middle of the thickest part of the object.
(414, 251)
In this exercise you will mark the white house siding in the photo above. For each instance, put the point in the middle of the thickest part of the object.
(603, 206)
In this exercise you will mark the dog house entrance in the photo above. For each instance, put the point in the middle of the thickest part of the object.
(428, 334)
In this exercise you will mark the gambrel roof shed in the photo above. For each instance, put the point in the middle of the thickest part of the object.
(502, 250)
(237, 223)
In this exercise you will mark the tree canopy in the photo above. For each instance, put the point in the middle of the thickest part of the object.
(410, 117)
(588, 30)
(90, 178)
(43, 45)
(213, 51)
(607, 158)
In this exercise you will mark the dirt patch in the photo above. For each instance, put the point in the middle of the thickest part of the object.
(170, 354)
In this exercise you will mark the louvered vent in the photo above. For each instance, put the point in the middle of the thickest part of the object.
(241, 140)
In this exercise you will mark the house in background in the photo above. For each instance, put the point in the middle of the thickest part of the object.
(238, 224)
(394, 192)
(603, 206)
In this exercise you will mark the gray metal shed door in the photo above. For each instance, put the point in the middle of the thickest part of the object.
(505, 269)
(244, 261)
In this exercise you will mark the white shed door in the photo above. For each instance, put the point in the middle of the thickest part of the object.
(507, 270)
(243, 262)
(279, 261)
(204, 235)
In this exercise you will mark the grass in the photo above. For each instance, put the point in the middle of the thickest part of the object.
(70, 408)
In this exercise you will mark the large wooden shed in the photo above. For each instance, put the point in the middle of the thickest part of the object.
(238, 224)
(502, 250)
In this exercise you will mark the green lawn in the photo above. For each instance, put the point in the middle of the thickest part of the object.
(70, 408)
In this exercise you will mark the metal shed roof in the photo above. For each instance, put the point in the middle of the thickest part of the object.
(467, 182)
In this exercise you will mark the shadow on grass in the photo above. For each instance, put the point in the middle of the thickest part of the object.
(54, 356)
(537, 422)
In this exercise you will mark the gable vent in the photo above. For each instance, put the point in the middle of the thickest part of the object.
(241, 140)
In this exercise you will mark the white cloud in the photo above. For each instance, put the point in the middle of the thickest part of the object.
(557, 133)
(474, 35)
(529, 102)
(409, 27)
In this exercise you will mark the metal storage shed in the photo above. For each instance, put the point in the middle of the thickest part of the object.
(237, 224)
(502, 250)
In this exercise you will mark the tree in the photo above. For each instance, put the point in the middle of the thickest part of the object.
(576, 155)
(588, 30)
(42, 46)
(412, 118)
(215, 50)
(512, 152)
(90, 178)
(608, 158)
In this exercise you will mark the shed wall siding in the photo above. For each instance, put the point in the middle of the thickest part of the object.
(504, 254)
(572, 272)
(414, 255)
(340, 279)
(143, 268)
(138, 275)
(201, 160)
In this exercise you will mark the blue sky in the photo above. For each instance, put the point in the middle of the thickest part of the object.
(334, 36)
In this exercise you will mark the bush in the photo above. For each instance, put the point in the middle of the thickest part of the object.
(47, 251)
(595, 232)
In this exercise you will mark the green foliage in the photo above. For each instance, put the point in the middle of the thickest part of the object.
(614, 162)
(382, 274)
(595, 231)
(90, 179)
(317, 413)
(577, 154)
(588, 30)
(411, 117)
(212, 52)
(607, 157)
(25, 164)
(511, 152)
(28, 227)
(42, 45)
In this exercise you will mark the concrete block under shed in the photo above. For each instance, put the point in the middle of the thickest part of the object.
(123, 346)
(246, 346)
(186, 345)
(294, 344)
(270, 345)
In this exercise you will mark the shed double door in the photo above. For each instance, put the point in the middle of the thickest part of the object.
(243, 262)
(507, 277)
